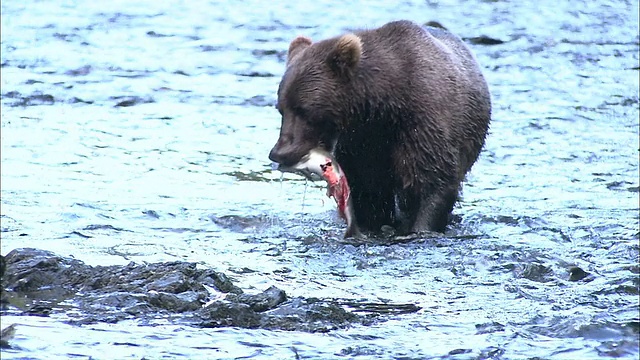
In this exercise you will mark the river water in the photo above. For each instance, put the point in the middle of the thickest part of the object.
(139, 131)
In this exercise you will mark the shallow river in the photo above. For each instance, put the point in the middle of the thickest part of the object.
(139, 131)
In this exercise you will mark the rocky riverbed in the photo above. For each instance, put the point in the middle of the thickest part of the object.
(42, 283)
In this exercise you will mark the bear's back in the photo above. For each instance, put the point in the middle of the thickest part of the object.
(431, 60)
(442, 77)
(426, 78)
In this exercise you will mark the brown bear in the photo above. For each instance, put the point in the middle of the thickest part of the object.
(404, 110)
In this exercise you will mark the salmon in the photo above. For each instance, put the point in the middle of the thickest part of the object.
(320, 164)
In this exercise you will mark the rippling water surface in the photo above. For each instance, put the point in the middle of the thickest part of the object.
(139, 131)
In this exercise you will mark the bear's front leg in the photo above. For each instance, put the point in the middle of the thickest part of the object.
(435, 209)
(373, 209)
(407, 206)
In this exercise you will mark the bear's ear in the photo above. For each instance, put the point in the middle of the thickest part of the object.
(346, 54)
(297, 45)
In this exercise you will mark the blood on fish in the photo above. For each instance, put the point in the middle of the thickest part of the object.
(338, 187)
(321, 164)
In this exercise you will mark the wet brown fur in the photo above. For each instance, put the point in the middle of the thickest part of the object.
(405, 110)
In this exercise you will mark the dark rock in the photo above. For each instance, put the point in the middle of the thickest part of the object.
(182, 302)
(37, 98)
(151, 214)
(537, 272)
(126, 101)
(81, 71)
(484, 40)
(256, 74)
(312, 315)
(459, 351)
(222, 314)
(577, 274)
(3, 266)
(218, 280)
(491, 352)
(76, 100)
(174, 287)
(176, 290)
(488, 328)
(39, 309)
(102, 227)
(435, 24)
(7, 334)
(34, 270)
(268, 300)
(157, 35)
(11, 95)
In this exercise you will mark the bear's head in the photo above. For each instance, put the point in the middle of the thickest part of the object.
(314, 96)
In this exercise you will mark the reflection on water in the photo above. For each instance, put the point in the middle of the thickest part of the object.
(139, 131)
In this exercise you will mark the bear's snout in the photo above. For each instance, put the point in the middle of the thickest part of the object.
(275, 156)
(283, 155)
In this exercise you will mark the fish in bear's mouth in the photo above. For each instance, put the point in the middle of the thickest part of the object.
(317, 165)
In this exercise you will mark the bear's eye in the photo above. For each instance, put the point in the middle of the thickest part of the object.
(300, 111)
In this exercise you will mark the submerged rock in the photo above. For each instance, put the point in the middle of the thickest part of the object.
(7, 334)
(39, 282)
